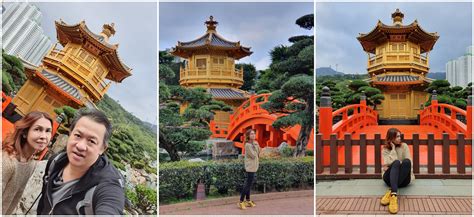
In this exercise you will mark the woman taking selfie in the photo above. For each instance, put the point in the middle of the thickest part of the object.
(252, 153)
(32, 134)
(398, 171)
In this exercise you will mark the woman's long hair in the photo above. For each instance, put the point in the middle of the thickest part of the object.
(247, 135)
(14, 142)
(391, 136)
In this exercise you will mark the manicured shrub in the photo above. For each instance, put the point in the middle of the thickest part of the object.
(179, 179)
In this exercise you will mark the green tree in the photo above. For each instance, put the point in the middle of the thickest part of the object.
(295, 99)
(166, 59)
(289, 61)
(13, 73)
(250, 74)
(290, 78)
(183, 134)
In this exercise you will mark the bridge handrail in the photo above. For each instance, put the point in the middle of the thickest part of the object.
(369, 116)
(248, 105)
(443, 105)
(435, 111)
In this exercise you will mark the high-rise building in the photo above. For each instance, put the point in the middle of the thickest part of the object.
(22, 34)
(459, 71)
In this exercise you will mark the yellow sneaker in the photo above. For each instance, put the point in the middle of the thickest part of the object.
(393, 206)
(386, 198)
(242, 205)
(250, 203)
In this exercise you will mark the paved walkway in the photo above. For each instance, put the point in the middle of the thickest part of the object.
(278, 203)
(424, 196)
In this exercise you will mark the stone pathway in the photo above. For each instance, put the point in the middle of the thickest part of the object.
(278, 203)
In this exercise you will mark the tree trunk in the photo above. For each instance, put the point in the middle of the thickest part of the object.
(306, 127)
(302, 141)
(169, 147)
(174, 156)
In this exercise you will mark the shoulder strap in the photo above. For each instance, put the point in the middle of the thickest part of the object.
(53, 163)
(87, 202)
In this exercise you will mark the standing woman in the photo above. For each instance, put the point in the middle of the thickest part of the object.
(32, 134)
(252, 154)
(398, 169)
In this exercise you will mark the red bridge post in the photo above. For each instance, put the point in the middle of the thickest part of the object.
(469, 117)
(325, 114)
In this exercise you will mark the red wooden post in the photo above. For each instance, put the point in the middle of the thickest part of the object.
(416, 153)
(363, 108)
(469, 117)
(446, 166)
(348, 153)
(378, 153)
(319, 154)
(363, 153)
(434, 98)
(461, 165)
(431, 165)
(333, 154)
(325, 114)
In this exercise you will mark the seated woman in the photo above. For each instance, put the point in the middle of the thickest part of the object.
(32, 134)
(398, 169)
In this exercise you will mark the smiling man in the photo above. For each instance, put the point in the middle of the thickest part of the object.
(82, 180)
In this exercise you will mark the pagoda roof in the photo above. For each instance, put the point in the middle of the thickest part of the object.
(398, 80)
(62, 84)
(211, 40)
(79, 33)
(226, 93)
(412, 32)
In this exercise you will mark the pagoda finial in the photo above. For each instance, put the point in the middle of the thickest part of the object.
(107, 31)
(211, 24)
(397, 17)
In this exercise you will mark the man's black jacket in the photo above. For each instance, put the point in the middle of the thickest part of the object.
(108, 198)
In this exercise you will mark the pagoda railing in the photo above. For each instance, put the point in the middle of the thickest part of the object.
(447, 117)
(397, 60)
(353, 118)
(206, 75)
(59, 58)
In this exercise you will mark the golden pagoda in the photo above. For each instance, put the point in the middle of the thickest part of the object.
(398, 64)
(210, 63)
(74, 74)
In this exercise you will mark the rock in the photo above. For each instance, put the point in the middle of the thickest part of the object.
(134, 177)
(282, 146)
(32, 190)
(270, 152)
(223, 148)
(196, 160)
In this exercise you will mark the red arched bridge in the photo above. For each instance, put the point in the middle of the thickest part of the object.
(250, 115)
(349, 141)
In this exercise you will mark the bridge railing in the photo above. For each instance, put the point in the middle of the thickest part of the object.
(456, 156)
(446, 117)
(353, 118)
(248, 108)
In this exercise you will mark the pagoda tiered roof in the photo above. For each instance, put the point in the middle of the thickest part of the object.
(211, 40)
(80, 34)
(398, 32)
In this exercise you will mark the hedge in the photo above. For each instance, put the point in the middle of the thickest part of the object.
(179, 179)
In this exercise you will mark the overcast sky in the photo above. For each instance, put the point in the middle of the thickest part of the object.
(261, 26)
(136, 32)
(338, 25)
